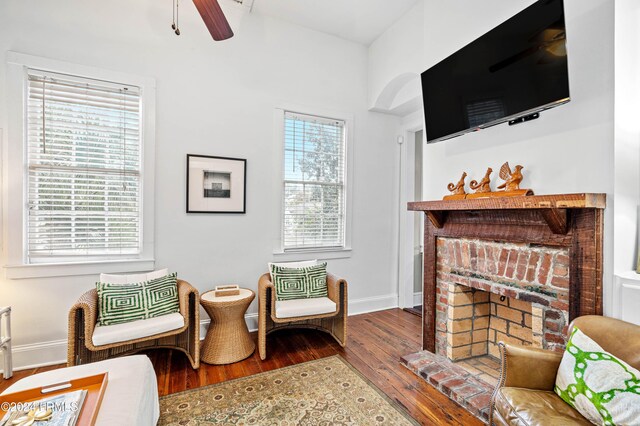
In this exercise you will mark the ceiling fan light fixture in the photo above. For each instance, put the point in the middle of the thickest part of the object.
(558, 48)
(555, 41)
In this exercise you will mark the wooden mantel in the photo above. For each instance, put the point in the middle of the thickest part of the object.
(553, 208)
(574, 221)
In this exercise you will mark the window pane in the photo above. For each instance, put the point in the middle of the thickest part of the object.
(314, 182)
(84, 160)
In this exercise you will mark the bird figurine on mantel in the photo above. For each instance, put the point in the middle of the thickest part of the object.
(512, 178)
(457, 190)
(482, 189)
(484, 186)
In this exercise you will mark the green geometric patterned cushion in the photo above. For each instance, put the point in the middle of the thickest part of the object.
(120, 303)
(300, 283)
(603, 388)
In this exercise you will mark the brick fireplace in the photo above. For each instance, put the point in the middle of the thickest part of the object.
(515, 270)
(490, 291)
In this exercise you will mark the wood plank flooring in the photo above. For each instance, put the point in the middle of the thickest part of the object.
(376, 342)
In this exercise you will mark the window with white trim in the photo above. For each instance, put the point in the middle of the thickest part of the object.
(314, 182)
(84, 155)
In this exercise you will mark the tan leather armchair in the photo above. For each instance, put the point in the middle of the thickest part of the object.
(524, 395)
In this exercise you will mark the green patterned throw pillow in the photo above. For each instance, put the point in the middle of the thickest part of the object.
(121, 303)
(300, 283)
(603, 388)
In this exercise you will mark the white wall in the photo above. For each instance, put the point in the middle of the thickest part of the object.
(570, 148)
(395, 63)
(396, 60)
(627, 159)
(627, 132)
(212, 99)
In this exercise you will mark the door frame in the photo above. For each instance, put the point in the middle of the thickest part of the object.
(410, 126)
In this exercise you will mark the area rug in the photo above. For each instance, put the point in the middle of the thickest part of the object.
(327, 391)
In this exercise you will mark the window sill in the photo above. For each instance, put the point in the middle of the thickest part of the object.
(47, 270)
(298, 255)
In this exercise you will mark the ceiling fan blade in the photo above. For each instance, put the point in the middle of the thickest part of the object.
(515, 58)
(214, 19)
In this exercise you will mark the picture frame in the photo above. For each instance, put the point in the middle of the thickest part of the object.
(216, 184)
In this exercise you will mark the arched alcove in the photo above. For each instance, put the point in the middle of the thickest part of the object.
(401, 96)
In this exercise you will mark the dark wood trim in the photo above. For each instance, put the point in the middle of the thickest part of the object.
(532, 202)
(437, 218)
(585, 291)
(573, 221)
(556, 219)
(429, 289)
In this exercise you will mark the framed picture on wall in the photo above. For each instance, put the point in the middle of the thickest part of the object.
(216, 184)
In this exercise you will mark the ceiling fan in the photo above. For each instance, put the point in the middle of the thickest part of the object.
(212, 16)
(550, 42)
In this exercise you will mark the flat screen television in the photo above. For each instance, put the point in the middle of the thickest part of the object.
(517, 69)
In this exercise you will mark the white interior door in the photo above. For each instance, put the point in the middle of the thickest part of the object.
(410, 241)
(418, 223)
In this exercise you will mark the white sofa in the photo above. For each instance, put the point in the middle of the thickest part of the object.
(131, 396)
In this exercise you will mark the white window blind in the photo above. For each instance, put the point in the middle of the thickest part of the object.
(84, 156)
(314, 182)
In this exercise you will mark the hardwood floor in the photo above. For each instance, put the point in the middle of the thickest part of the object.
(376, 342)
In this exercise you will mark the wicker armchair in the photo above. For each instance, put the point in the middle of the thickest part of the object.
(334, 323)
(82, 322)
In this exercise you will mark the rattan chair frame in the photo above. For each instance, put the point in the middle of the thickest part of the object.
(333, 323)
(83, 316)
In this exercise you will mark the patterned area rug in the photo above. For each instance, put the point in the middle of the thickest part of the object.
(327, 391)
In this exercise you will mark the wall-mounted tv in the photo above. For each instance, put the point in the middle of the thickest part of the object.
(514, 70)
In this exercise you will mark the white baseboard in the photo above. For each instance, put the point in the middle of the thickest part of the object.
(55, 352)
(39, 355)
(250, 319)
(372, 304)
(358, 306)
(417, 299)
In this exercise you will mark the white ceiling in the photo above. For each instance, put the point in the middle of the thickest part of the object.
(361, 21)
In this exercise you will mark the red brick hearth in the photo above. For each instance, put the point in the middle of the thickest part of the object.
(515, 270)
(456, 382)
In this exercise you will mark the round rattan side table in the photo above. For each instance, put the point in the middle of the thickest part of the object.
(227, 340)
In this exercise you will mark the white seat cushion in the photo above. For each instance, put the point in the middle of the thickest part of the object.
(304, 307)
(107, 334)
(131, 396)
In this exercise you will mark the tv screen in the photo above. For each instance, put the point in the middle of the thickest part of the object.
(516, 69)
